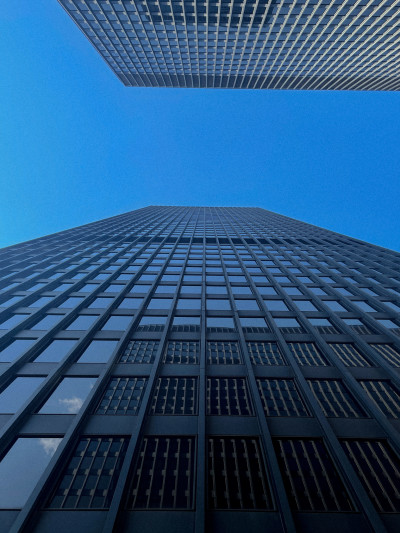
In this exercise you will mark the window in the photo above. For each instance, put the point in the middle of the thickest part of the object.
(385, 395)
(378, 468)
(276, 305)
(247, 305)
(305, 305)
(186, 323)
(15, 349)
(223, 353)
(89, 287)
(218, 305)
(265, 353)
(152, 323)
(130, 303)
(140, 289)
(82, 323)
(220, 323)
(122, 396)
(13, 397)
(364, 306)
(160, 303)
(22, 467)
(182, 353)
(55, 351)
(175, 396)
(187, 289)
(323, 325)
(288, 325)
(216, 289)
(388, 353)
(12, 321)
(292, 291)
(228, 396)
(11, 301)
(89, 480)
(70, 303)
(41, 301)
(69, 396)
(280, 397)
(100, 303)
(310, 477)
(239, 289)
(117, 323)
(236, 474)
(186, 303)
(167, 462)
(349, 355)
(307, 354)
(140, 352)
(98, 352)
(253, 324)
(335, 399)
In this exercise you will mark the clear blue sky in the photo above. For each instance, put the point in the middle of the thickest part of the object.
(77, 146)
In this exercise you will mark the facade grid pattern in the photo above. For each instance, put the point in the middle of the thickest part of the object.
(222, 341)
(254, 44)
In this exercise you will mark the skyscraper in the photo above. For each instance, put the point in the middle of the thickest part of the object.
(199, 369)
(250, 44)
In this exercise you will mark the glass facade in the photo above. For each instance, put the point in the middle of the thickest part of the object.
(250, 44)
(199, 369)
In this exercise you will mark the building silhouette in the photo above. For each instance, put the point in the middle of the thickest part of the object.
(199, 369)
(250, 44)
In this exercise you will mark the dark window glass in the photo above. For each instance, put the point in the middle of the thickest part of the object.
(88, 481)
(236, 474)
(122, 396)
(385, 395)
(349, 355)
(307, 354)
(388, 353)
(140, 352)
(335, 399)
(175, 396)
(280, 397)
(167, 462)
(228, 396)
(182, 353)
(265, 353)
(310, 477)
(223, 353)
(378, 468)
